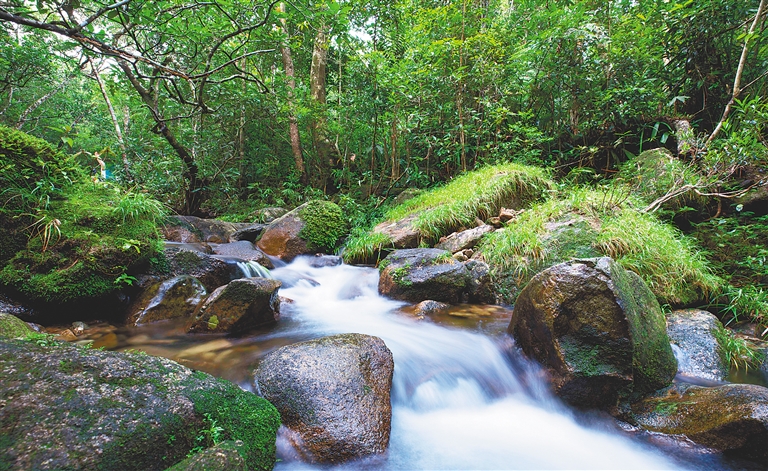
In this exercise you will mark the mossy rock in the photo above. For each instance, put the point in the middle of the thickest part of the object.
(65, 407)
(415, 275)
(238, 307)
(598, 330)
(13, 327)
(226, 456)
(315, 226)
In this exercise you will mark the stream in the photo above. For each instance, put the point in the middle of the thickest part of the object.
(461, 397)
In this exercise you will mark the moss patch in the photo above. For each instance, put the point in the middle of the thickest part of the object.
(324, 225)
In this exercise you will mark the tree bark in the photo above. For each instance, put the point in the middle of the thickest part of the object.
(118, 132)
(293, 122)
(39, 102)
(739, 73)
(193, 196)
(318, 124)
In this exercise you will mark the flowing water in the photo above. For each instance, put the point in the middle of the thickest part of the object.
(461, 397)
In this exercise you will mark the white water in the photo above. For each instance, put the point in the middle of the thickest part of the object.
(457, 403)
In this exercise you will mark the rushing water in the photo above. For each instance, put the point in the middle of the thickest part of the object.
(460, 399)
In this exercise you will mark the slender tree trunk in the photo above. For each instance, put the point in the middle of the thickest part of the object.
(118, 132)
(739, 73)
(39, 102)
(293, 122)
(193, 194)
(318, 123)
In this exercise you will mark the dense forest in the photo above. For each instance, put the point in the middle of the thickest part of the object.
(220, 108)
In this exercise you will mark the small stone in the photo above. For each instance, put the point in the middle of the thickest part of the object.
(78, 328)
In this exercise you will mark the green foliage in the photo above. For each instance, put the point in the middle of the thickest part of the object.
(586, 223)
(136, 206)
(363, 246)
(42, 339)
(324, 225)
(736, 351)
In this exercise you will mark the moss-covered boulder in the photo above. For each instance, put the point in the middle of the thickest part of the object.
(169, 299)
(693, 333)
(732, 418)
(226, 456)
(82, 240)
(429, 216)
(12, 327)
(65, 407)
(333, 393)
(416, 275)
(597, 329)
(238, 307)
(315, 226)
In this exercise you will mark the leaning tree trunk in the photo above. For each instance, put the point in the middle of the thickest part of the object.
(193, 193)
(111, 109)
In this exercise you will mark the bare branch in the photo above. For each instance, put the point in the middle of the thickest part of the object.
(99, 13)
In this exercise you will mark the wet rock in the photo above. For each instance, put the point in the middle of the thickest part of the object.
(209, 270)
(170, 299)
(66, 335)
(468, 239)
(222, 457)
(481, 286)
(238, 307)
(249, 233)
(209, 230)
(334, 392)
(429, 307)
(13, 327)
(322, 261)
(10, 306)
(65, 407)
(78, 328)
(417, 274)
(243, 250)
(692, 332)
(597, 329)
(315, 226)
(732, 418)
(402, 233)
(181, 232)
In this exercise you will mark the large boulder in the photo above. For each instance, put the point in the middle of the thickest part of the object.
(13, 327)
(692, 332)
(250, 233)
(402, 233)
(315, 226)
(212, 272)
(66, 407)
(416, 275)
(206, 230)
(732, 418)
(597, 329)
(333, 393)
(238, 307)
(169, 299)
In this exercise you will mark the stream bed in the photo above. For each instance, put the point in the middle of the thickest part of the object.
(462, 397)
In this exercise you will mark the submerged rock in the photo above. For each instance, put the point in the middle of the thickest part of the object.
(334, 393)
(170, 299)
(429, 307)
(238, 307)
(416, 275)
(732, 418)
(13, 327)
(66, 407)
(598, 330)
(692, 331)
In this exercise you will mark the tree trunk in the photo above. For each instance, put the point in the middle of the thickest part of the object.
(39, 102)
(118, 132)
(293, 122)
(318, 124)
(739, 72)
(193, 193)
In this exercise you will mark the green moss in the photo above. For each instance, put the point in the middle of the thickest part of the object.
(586, 222)
(324, 225)
(13, 327)
(242, 416)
